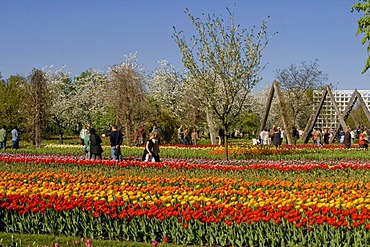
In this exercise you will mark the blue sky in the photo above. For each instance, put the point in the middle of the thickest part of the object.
(97, 34)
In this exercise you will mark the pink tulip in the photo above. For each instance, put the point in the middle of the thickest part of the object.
(88, 243)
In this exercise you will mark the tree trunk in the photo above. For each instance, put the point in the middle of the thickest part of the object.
(211, 127)
(60, 135)
(226, 146)
(60, 130)
(38, 131)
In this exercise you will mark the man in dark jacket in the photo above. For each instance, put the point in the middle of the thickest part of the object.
(116, 139)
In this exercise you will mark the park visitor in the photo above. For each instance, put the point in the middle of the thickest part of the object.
(3, 138)
(15, 138)
(326, 136)
(83, 133)
(95, 145)
(116, 140)
(276, 137)
(151, 151)
(180, 135)
(186, 137)
(281, 136)
(353, 136)
(362, 140)
(87, 144)
(157, 130)
(194, 137)
(347, 138)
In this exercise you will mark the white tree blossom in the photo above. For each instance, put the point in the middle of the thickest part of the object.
(62, 92)
(167, 87)
(90, 96)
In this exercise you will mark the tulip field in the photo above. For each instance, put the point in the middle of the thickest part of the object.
(292, 196)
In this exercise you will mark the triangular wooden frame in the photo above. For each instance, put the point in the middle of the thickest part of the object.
(309, 127)
(342, 117)
(355, 96)
(313, 119)
(275, 88)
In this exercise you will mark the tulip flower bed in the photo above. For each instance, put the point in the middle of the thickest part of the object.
(256, 203)
(211, 152)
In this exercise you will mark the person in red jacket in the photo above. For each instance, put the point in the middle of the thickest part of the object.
(362, 140)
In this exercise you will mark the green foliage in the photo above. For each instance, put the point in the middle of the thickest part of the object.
(166, 120)
(102, 121)
(364, 26)
(35, 240)
(357, 118)
(12, 106)
(248, 123)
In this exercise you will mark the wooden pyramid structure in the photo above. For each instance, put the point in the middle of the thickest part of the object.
(342, 117)
(275, 89)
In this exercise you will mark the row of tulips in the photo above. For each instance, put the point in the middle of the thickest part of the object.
(186, 203)
(236, 152)
(252, 165)
(183, 224)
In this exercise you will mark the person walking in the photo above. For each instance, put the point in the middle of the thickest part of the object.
(15, 138)
(83, 133)
(3, 138)
(151, 151)
(116, 140)
(194, 136)
(326, 137)
(276, 137)
(281, 135)
(366, 139)
(314, 136)
(362, 140)
(95, 145)
(87, 143)
(158, 131)
(180, 135)
(186, 137)
(147, 154)
(347, 138)
(319, 137)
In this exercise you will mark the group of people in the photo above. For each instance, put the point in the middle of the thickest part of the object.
(92, 144)
(3, 138)
(363, 135)
(273, 136)
(187, 138)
